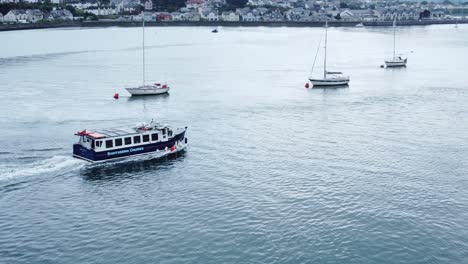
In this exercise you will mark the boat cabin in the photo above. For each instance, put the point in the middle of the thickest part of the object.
(116, 138)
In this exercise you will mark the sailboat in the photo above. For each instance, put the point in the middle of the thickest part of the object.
(147, 89)
(329, 78)
(397, 60)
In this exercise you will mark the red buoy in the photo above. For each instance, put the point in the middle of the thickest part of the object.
(173, 148)
(116, 96)
(307, 85)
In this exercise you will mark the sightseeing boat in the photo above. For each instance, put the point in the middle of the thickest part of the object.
(117, 143)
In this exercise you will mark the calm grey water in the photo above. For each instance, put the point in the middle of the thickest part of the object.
(275, 173)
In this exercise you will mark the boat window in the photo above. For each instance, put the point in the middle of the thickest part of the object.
(164, 131)
(145, 138)
(169, 133)
(109, 144)
(98, 144)
(136, 139)
(128, 140)
(154, 137)
(118, 142)
(92, 144)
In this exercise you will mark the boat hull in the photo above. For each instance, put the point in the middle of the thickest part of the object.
(329, 82)
(159, 149)
(396, 63)
(147, 91)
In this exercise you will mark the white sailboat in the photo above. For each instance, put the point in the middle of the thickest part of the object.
(397, 60)
(147, 89)
(329, 78)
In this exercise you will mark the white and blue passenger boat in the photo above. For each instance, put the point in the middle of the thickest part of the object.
(118, 143)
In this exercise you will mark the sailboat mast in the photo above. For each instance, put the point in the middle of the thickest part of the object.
(143, 48)
(325, 57)
(394, 29)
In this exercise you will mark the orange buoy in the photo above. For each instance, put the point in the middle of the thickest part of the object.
(307, 85)
(116, 96)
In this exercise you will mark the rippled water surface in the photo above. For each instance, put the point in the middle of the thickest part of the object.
(275, 173)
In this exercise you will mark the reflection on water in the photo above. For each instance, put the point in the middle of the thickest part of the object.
(148, 98)
(129, 168)
(399, 68)
(334, 87)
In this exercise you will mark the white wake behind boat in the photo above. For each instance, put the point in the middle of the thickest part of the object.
(396, 60)
(147, 89)
(329, 78)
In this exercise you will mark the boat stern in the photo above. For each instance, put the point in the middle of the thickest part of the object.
(83, 153)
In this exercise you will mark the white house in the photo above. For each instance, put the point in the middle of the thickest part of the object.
(347, 15)
(177, 16)
(250, 17)
(212, 17)
(34, 15)
(84, 5)
(192, 16)
(193, 4)
(148, 5)
(230, 16)
(61, 14)
(360, 15)
(15, 15)
(103, 11)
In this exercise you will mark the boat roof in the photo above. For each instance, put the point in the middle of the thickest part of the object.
(117, 132)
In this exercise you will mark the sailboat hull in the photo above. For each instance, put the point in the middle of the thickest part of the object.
(395, 63)
(329, 82)
(147, 90)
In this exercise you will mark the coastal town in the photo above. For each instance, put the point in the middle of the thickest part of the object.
(358, 11)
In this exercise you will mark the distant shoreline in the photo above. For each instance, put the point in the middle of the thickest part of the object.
(12, 27)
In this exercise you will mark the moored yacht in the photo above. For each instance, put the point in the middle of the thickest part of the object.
(117, 143)
(329, 78)
(147, 89)
(396, 60)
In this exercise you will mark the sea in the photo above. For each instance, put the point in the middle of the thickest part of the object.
(375, 172)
